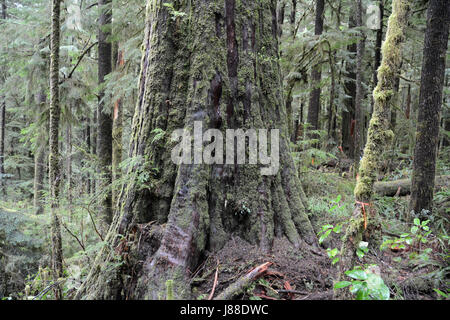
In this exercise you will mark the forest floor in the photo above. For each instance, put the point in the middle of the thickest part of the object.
(415, 271)
(411, 273)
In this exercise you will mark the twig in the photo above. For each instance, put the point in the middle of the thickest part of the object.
(78, 62)
(95, 227)
(73, 235)
(215, 282)
(292, 291)
(243, 282)
(57, 283)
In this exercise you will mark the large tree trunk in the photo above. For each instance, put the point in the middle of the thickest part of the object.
(225, 83)
(430, 102)
(104, 147)
(54, 157)
(316, 74)
(379, 137)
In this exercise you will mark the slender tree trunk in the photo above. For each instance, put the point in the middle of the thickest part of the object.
(223, 83)
(54, 167)
(40, 161)
(378, 43)
(395, 103)
(408, 103)
(446, 120)
(379, 137)
(104, 130)
(430, 103)
(3, 126)
(2, 144)
(316, 74)
(117, 131)
(281, 15)
(69, 164)
(331, 112)
(359, 115)
(348, 114)
(293, 15)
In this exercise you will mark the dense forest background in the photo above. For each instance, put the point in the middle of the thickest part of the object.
(72, 125)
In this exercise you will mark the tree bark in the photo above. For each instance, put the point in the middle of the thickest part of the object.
(104, 130)
(54, 157)
(430, 103)
(316, 73)
(225, 83)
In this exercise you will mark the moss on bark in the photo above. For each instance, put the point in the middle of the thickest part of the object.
(217, 63)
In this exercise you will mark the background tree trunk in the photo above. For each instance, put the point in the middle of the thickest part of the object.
(104, 147)
(187, 77)
(40, 161)
(316, 74)
(348, 114)
(54, 166)
(359, 114)
(430, 102)
(2, 126)
(117, 131)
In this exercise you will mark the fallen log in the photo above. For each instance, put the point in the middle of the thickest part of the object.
(403, 187)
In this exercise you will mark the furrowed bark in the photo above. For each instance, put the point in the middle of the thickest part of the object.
(228, 79)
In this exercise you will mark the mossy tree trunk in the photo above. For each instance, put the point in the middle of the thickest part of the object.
(379, 136)
(227, 76)
(54, 157)
(104, 130)
(430, 103)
